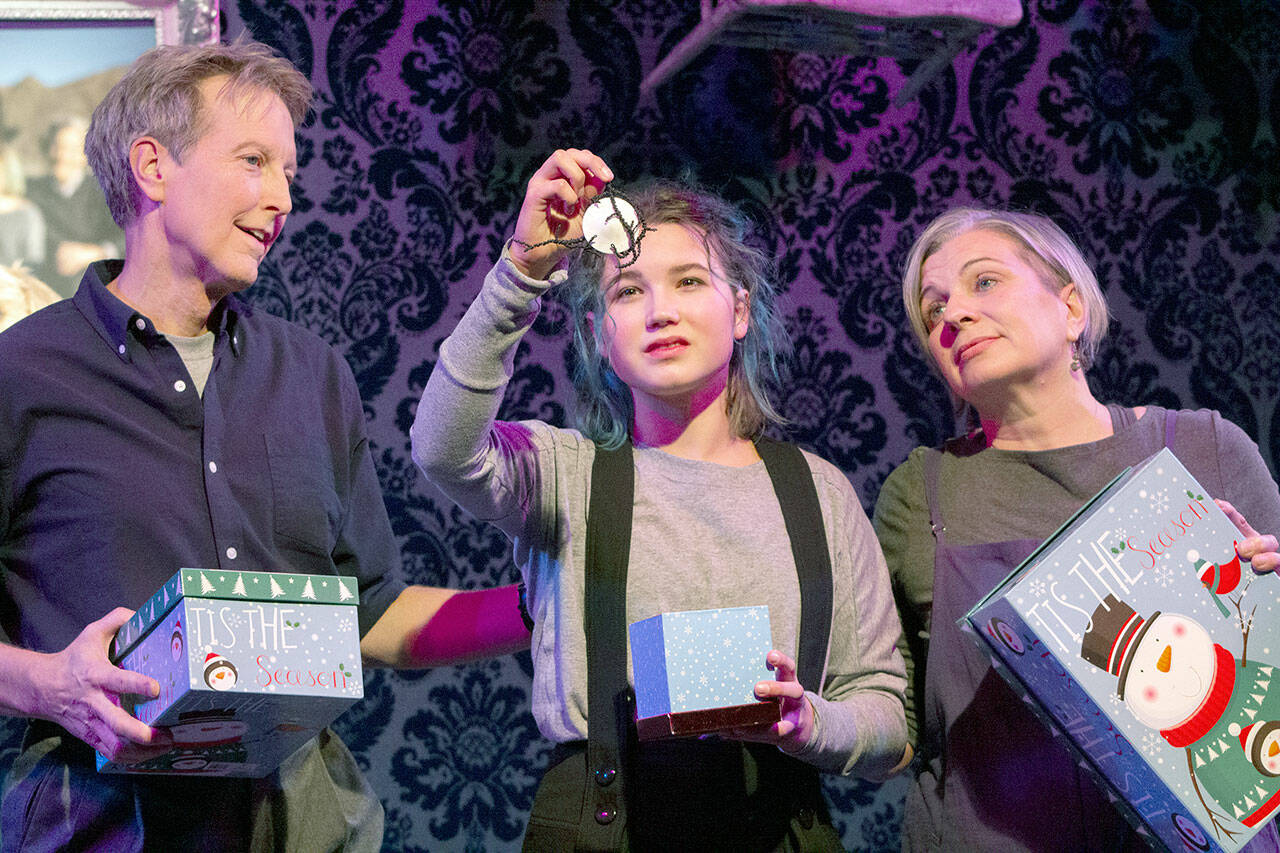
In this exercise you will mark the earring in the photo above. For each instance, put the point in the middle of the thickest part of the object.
(1075, 356)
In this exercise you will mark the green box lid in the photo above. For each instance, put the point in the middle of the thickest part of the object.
(282, 587)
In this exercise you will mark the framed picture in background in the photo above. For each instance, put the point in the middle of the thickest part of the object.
(57, 59)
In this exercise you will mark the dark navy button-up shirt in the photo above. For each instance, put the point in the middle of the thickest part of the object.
(115, 473)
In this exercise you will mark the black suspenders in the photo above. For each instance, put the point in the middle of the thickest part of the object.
(608, 696)
(610, 715)
(798, 497)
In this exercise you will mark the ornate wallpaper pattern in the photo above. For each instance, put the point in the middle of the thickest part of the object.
(1147, 129)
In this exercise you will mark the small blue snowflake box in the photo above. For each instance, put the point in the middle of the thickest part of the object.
(1139, 635)
(696, 670)
(251, 666)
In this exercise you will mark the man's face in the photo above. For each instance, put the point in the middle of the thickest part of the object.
(225, 203)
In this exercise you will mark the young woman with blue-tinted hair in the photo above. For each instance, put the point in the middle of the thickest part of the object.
(678, 349)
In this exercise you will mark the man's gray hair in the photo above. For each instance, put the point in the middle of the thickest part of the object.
(159, 96)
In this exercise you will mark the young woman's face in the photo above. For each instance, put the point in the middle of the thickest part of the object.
(993, 321)
(671, 318)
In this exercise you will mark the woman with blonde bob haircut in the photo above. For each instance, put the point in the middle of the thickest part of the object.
(1044, 244)
(1010, 315)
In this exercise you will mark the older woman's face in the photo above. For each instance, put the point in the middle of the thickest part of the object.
(994, 322)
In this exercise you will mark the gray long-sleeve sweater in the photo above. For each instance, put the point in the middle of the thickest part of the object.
(704, 535)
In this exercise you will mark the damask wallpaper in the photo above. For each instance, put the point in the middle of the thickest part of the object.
(1147, 128)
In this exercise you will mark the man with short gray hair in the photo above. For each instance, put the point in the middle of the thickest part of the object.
(155, 421)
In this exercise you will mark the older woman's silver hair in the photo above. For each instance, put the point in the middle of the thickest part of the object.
(1046, 246)
(159, 96)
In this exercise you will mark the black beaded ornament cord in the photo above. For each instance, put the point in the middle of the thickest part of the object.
(615, 207)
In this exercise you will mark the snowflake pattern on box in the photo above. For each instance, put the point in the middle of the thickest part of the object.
(250, 665)
(850, 181)
(1138, 617)
(697, 659)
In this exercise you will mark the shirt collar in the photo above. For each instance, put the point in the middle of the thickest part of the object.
(116, 322)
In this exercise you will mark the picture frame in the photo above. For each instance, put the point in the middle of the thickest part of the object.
(175, 21)
(58, 58)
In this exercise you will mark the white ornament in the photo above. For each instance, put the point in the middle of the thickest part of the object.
(610, 224)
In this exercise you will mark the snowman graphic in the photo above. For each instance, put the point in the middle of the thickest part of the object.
(206, 741)
(219, 673)
(204, 729)
(176, 642)
(1261, 742)
(1201, 698)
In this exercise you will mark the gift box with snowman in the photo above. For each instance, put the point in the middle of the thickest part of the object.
(251, 665)
(1143, 639)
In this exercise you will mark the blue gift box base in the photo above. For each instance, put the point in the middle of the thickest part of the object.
(709, 720)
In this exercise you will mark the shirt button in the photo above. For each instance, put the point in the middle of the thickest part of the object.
(213, 467)
(120, 349)
(605, 816)
(140, 324)
(231, 553)
(179, 386)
